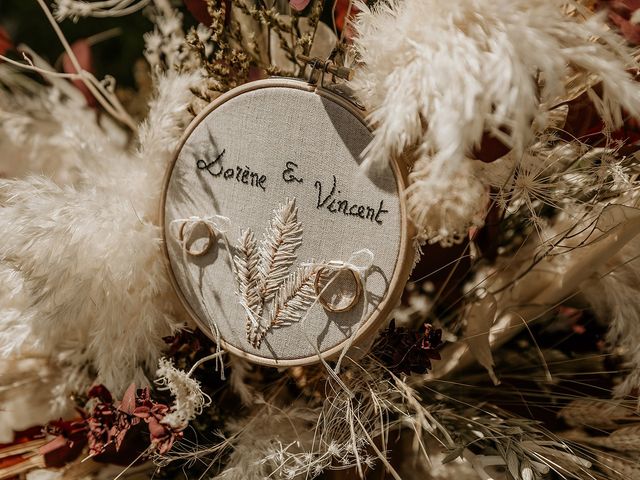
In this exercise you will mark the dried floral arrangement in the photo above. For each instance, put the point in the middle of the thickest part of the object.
(515, 352)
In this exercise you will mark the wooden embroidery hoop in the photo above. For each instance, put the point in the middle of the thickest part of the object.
(406, 250)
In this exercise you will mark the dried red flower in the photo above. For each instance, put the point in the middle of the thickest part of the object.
(71, 437)
(162, 436)
(108, 424)
(299, 5)
(5, 41)
(199, 10)
(620, 13)
(82, 51)
(408, 351)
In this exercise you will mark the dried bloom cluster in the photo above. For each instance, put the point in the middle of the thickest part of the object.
(189, 399)
(165, 48)
(249, 40)
(405, 351)
(109, 423)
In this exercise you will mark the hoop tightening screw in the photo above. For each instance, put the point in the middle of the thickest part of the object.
(328, 66)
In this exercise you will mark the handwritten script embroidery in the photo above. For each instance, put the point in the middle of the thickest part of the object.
(327, 200)
(288, 173)
(335, 205)
(241, 174)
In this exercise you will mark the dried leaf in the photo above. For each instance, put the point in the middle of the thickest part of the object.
(128, 403)
(526, 471)
(480, 318)
(199, 10)
(513, 464)
(82, 51)
(614, 215)
(341, 20)
(452, 455)
(5, 41)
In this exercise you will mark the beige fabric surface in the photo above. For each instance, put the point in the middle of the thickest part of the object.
(261, 131)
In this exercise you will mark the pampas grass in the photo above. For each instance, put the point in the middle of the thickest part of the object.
(87, 256)
(438, 76)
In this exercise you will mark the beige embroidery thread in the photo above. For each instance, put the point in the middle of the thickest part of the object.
(263, 274)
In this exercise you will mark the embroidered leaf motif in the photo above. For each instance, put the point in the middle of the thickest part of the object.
(246, 260)
(263, 275)
(277, 249)
(294, 297)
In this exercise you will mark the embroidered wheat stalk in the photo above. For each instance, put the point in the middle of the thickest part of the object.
(263, 274)
(246, 260)
(295, 296)
(277, 249)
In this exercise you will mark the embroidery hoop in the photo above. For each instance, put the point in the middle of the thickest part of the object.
(403, 264)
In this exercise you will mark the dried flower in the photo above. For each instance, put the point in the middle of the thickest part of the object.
(189, 398)
(406, 351)
(624, 15)
(162, 436)
(108, 424)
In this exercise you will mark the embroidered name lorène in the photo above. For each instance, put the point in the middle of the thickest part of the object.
(241, 174)
(332, 203)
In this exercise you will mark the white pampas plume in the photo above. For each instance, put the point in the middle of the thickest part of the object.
(48, 132)
(88, 258)
(189, 398)
(438, 75)
(26, 394)
(165, 45)
(92, 274)
(444, 207)
(239, 381)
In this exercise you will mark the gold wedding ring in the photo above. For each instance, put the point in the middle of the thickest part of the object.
(197, 252)
(320, 289)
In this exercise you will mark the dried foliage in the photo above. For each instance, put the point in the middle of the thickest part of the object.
(542, 292)
(250, 39)
(460, 73)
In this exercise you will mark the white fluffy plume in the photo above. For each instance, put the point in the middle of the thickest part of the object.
(437, 76)
(85, 258)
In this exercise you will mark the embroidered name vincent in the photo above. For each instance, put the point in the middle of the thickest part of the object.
(335, 205)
